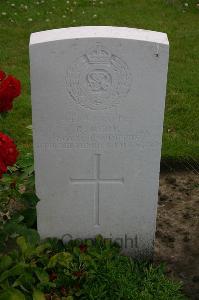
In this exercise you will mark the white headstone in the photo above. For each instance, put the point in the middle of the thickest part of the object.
(98, 96)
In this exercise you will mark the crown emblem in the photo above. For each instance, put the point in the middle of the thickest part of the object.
(99, 55)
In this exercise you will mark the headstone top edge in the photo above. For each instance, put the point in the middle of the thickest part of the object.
(98, 32)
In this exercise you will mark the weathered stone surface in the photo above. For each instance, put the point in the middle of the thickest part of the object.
(98, 97)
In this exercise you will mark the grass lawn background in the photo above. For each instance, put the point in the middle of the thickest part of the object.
(179, 19)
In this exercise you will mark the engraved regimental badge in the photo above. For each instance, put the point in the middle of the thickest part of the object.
(99, 79)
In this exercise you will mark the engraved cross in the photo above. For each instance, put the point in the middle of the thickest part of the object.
(97, 181)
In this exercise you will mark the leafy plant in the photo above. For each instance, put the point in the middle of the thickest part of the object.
(79, 270)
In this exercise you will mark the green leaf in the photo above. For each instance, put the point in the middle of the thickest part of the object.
(27, 172)
(4, 286)
(26, 161)
(14, 271)
(27, 249)
(76, 251)
(63, 259)
(42, 275)
(6, 179)
(23, 245)
(30, 235)
(12, 294)
(85, 258)
(13, 169)
(56, 245)
(46, 285)
(3, 115)
(30, 198)
(18, 218)
(29, 216)
(26, 279)
(5, 262)
(38, 295)
(29, 127)
(41, 248)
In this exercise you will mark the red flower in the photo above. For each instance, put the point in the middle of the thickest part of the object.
(82, 248)
(8, 153)
(10, 88)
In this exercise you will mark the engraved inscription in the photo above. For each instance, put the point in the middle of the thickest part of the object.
(99, 79)
(97, 181)
(101, 140)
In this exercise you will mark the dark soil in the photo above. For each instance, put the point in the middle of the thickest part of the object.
(177, 235)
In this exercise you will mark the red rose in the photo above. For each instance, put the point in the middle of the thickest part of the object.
(10, 88)
(8, 153)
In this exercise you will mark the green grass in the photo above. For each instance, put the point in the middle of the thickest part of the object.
(180, 22)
